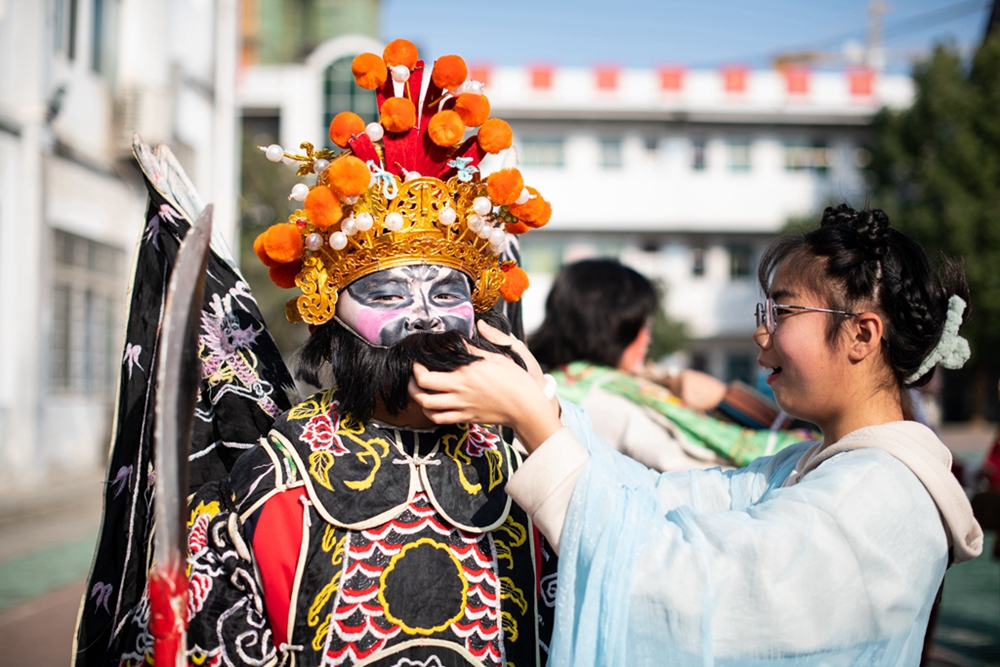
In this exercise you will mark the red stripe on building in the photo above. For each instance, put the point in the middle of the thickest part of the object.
(734, 79)
(606, 77)
(671, 78)
(541, 76)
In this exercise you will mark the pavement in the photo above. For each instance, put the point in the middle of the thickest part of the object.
(47, 539)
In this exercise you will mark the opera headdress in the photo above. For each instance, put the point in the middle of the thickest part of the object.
(405, 190)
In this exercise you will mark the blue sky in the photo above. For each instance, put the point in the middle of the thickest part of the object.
(702, 33)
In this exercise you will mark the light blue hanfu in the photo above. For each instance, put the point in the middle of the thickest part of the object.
(706, 567)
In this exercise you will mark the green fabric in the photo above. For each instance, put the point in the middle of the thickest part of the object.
(739, 445)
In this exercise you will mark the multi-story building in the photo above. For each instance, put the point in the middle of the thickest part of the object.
(685, 175)
(77, 77)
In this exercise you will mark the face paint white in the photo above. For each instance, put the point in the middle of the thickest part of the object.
(387, 306)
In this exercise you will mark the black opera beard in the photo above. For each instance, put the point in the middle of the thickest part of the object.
(363, 372)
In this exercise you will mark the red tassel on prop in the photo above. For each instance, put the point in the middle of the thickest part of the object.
(168, 614)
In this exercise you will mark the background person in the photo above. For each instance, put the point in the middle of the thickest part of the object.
(594, 341)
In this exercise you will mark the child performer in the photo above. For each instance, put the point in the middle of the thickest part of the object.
(828, 553)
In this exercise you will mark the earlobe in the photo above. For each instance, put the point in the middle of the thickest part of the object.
(867, 332)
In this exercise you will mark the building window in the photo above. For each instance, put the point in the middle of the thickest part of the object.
(611, 153)
(697, 261)
(739, 154)
(64, 26)
(341, 94)
(542, 153)
(739, 367)
(698, 157)
(739, 261)
(103, 36)
(652, 145)
(86, 286)
(807, 157)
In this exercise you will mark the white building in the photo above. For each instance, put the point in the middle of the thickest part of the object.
(685, 175)
(77, 77)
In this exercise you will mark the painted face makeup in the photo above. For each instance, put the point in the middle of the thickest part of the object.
(387, 306)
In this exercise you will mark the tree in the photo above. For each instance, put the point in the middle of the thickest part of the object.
(936, 172)
(264, 201)
(669, 336)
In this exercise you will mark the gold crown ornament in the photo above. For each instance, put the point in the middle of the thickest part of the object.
(405, 190)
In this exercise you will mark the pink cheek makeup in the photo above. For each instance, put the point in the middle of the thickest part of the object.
(463, 310)
(370, 322)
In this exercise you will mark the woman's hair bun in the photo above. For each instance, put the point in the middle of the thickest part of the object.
(871, 227)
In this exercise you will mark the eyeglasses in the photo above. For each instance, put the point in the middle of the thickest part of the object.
(767, 313)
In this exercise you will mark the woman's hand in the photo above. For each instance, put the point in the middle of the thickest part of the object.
(493, 390)
(498, 337)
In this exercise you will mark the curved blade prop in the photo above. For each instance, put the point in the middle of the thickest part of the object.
(178, 378)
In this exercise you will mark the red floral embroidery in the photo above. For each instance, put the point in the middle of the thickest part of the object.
(199, 586)
(198, 537)
(321, 434)
(479, 440)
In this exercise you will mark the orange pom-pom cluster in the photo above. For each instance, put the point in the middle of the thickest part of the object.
(504, 186)
(529, 210)
(258, 248)
(369, 71)
(495, 135)
(535, 212)
(282, 243)
(323, 208)
(400, 52)
(514, 284)
(474, 109)
(349, 176)
(449, 72)
(345, 125)
(517, 228)
(542, 219)
(446, 128)
(398, 114)
(283, 275)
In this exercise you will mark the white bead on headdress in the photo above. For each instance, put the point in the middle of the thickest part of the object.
(952, 351)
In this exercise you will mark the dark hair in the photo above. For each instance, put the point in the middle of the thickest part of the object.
(866, 265)
(363, 372)
(595, 310)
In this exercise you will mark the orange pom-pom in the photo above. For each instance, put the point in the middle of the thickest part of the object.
(283, 242)
(449, 72)
(345, 125)
(283, 275)
(398, 114)
(400, 52)
(517, 228)
(543, 217)
(514, 284)
(446, 128)
(495, 135)
(369, 71)
(258, 248)
(323, 208)
(530, 210)
(474, 109)
(504, 186)
(349, 176)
